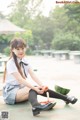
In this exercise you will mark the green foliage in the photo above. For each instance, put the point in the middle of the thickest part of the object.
(73, 11)
(42, 32)
(27, 36)
(5, 38)
(66, 42)
(66, 28)
(29, 51)
(61, 30)
(60, 21)
(25, 10)
(7, 51)
(4, 41)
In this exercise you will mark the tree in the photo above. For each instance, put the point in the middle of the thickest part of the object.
(42, 32)
(24, 11)
(66, 28)
(73, 11)
(66, 42)
(59, 19)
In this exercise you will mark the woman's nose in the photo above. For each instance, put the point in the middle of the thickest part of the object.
(21, 50)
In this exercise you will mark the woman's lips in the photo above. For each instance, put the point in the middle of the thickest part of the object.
(20, 54)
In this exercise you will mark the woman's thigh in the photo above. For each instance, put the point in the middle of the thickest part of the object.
(22, 94)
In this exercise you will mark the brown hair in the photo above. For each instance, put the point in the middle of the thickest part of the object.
(15, 43)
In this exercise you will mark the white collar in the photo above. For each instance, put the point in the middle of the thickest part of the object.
(19, 60)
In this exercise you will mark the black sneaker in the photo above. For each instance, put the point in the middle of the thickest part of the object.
(53, 104)
(37, 109)
(72, 100)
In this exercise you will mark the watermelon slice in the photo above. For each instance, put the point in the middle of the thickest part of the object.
(62, 90)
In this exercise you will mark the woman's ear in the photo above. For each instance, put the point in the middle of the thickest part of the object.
(14, 50)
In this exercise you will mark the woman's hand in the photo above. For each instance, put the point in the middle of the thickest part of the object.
(44, 88)
(39, 90)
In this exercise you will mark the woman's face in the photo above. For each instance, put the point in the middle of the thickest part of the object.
(19, 52)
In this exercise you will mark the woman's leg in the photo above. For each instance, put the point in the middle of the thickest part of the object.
(33, 98)
(54, 94)
(36, 106)
(22, 94)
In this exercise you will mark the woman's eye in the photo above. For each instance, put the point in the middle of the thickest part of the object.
(20, 48)
(17, 48)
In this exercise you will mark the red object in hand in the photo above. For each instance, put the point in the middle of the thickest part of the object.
(45, 88)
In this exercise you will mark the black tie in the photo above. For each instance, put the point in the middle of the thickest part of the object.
(22, 63)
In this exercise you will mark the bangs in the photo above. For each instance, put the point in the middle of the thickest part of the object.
(18, 43)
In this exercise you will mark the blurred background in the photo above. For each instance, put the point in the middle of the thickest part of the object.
(50, 28)
(48, 24)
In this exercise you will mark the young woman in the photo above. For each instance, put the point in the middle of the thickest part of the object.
(17, 87)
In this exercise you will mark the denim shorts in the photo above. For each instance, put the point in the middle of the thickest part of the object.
(9, 93)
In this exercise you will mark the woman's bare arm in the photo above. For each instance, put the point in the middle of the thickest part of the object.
(21, 80)
(34, 77)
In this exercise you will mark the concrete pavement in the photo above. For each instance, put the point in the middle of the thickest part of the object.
(64, 73)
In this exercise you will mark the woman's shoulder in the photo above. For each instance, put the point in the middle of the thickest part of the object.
(11, 66)
(10, 61)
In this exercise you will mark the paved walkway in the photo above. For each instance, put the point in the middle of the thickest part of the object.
(51, 72)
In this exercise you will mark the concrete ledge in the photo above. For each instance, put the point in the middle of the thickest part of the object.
(76, 56)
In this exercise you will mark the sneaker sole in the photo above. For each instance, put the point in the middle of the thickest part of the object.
(47, 108)
(50, 106)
